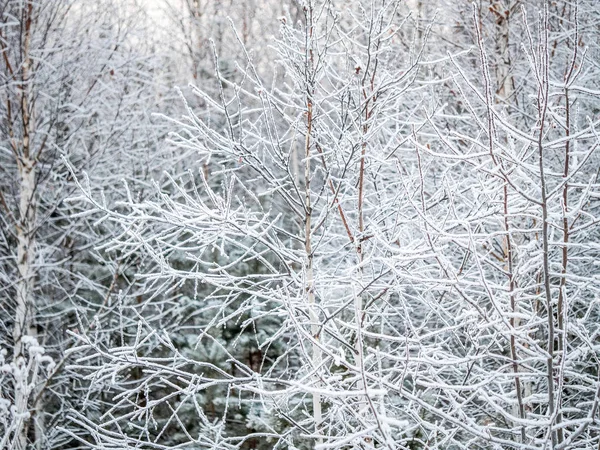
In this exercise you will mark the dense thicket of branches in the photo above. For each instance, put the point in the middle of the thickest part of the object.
(358, 224)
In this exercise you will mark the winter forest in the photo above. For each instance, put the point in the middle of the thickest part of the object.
(299, 224)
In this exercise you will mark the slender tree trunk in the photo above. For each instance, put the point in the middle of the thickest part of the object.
(26, 227)
(24, 295)
(542, 106)
(504, 93)
(502, 12)
(310, 286)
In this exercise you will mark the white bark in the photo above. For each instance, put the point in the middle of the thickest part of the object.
(310, 286)
(24, 296)
(24, 327)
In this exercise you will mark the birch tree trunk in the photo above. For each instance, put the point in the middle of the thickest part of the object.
(310, 287)
(25, 230)
(504, 78)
